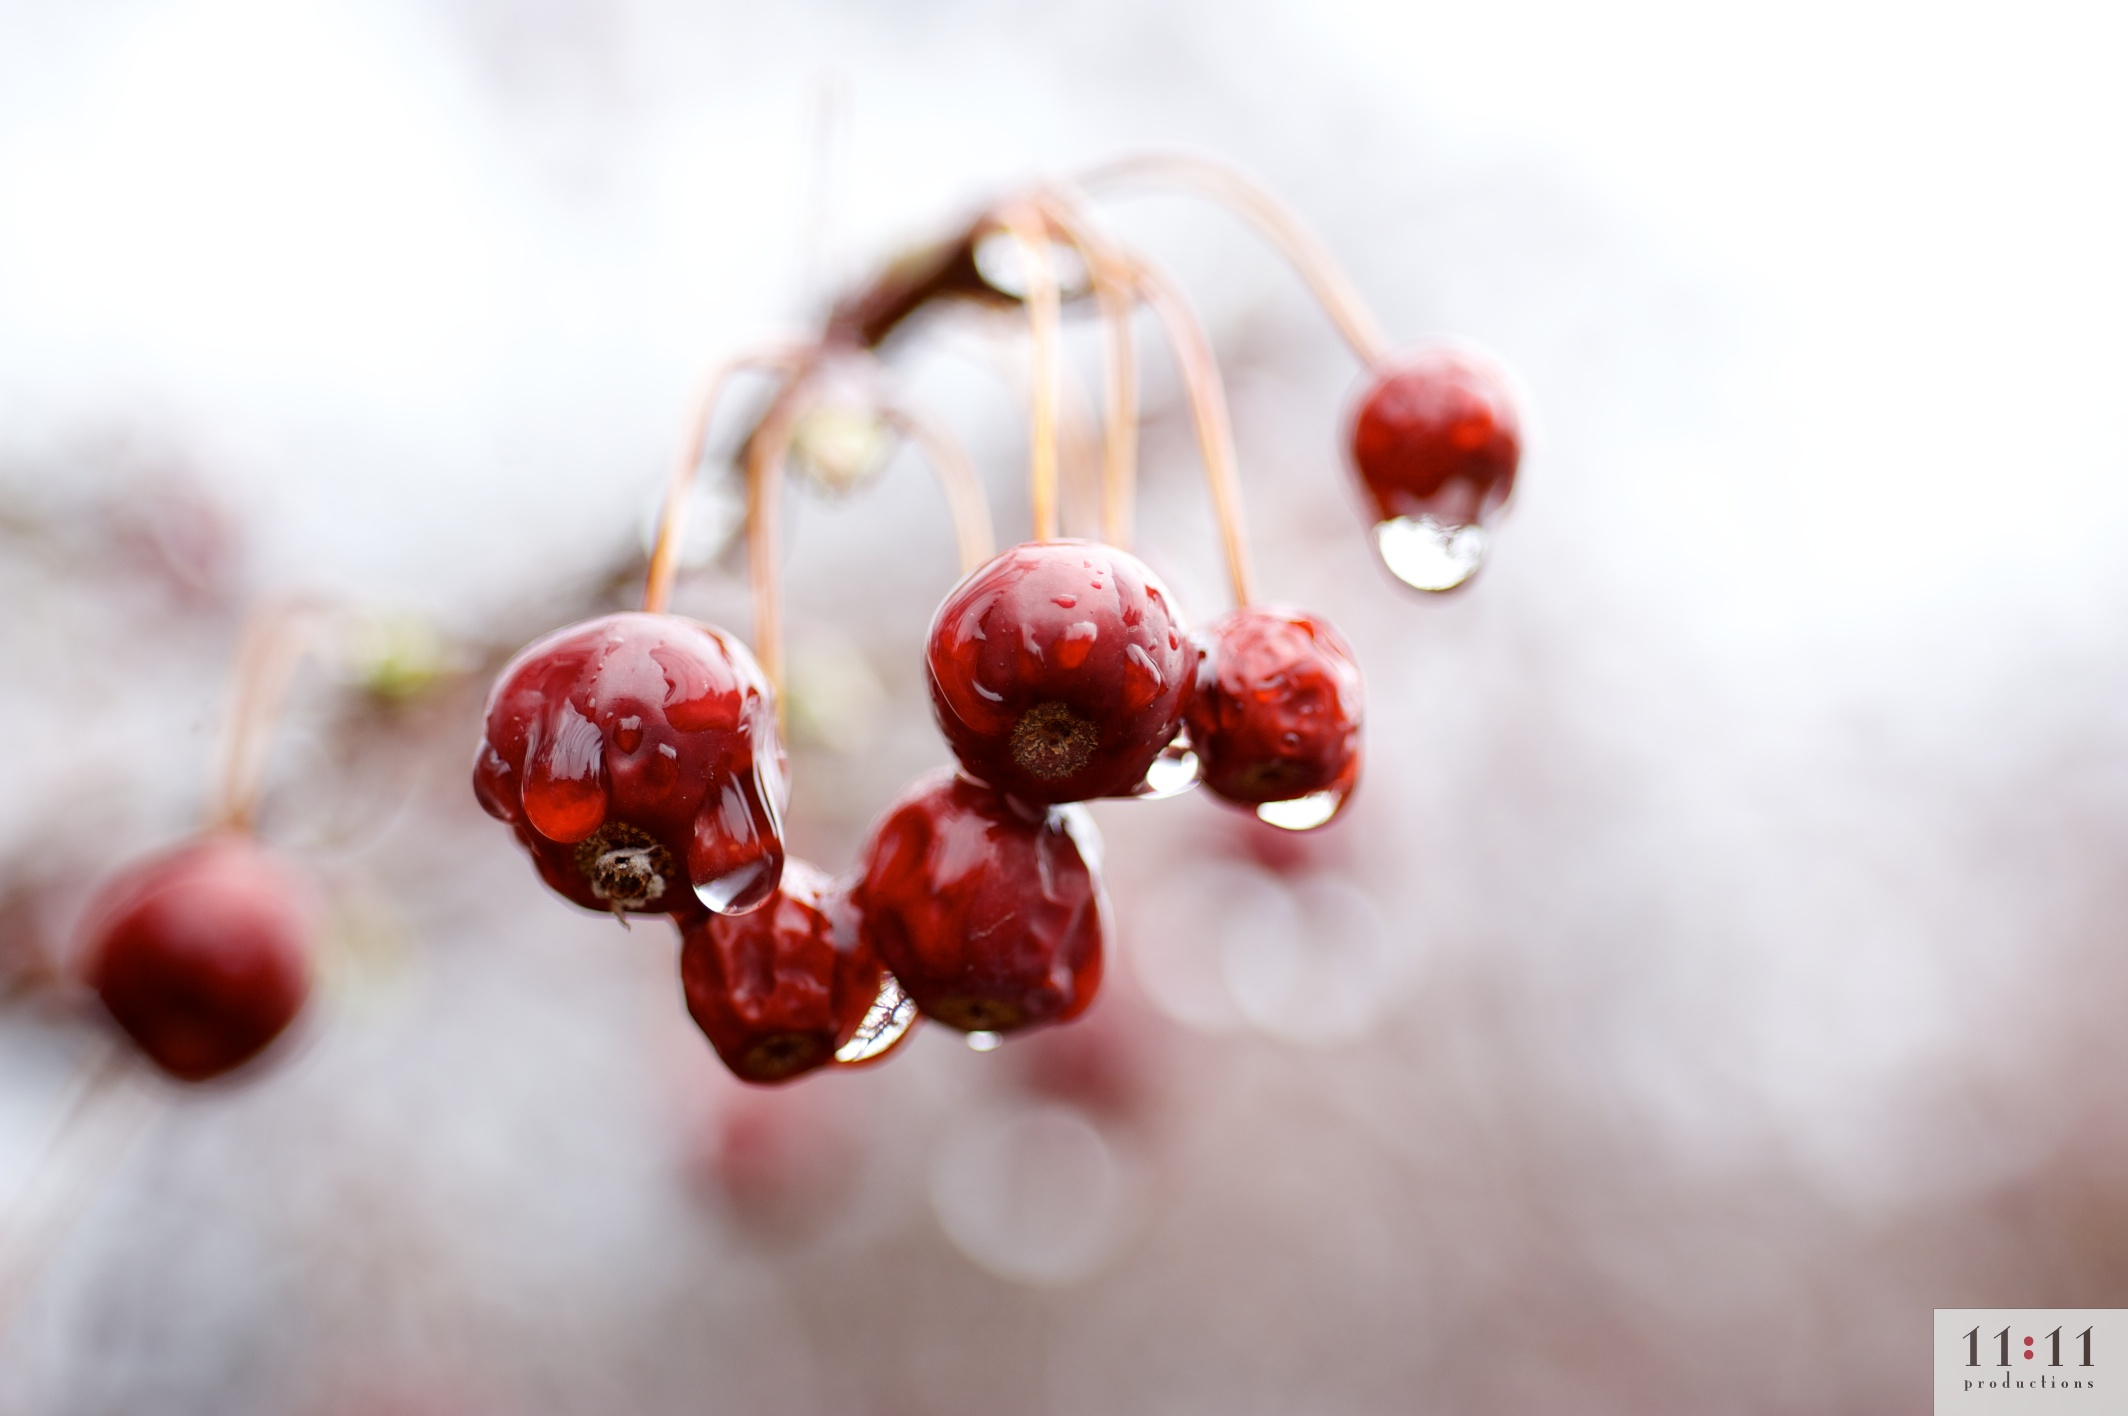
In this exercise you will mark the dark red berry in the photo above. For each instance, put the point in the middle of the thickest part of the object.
(992, 921)
(638, 760)
(1276, 715)
(778, 990)
(1058, 671)
(1436, 435)
(201, 954)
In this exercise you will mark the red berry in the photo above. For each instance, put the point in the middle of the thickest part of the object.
(990, 920)
(638, 760)
(1276, 715)
(1437, 435)
(201, 954)
(1058, 671)
(778, 990)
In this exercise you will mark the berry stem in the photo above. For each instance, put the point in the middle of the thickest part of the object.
(274, 639)
(672, 520)
(1333, 290)
(1119, 415)
(1208, 412)
(973, 536)
(767, 449)
(1025, 224)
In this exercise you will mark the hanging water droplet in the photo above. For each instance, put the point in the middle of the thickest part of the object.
(738, 891)
(1427, 554)
(1173, 772)
(984, 1041)
(885, 1023)
(1302, 813)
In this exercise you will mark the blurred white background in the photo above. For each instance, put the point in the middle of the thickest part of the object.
(1719, 970)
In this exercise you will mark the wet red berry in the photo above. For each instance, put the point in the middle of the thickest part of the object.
(1436, 435)
(990, 920)
(1058, 671)
(778, 990)
(638, 760)
(201, 954)
(1276, 715)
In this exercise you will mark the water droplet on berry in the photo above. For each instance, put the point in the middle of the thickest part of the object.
(565, 797)
(739, 890)
(1174, 771)
(628, 734)
(885, 1023)
(1302, 813)
(984, 1041)
(1427, 554)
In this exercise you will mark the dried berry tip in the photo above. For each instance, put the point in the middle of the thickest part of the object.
(1052, 742)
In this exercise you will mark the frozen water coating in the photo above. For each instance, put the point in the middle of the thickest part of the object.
(636, 757)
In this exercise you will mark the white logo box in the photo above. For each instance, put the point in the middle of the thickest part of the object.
(2032, 1360)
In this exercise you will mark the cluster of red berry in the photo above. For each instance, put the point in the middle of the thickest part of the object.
(638, 757)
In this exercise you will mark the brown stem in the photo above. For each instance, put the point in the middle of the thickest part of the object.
(672, 520)
(274, 640)
(1208, 412)
(1113, 291)
(973, 534)
(1333, 290)
(1027, 227)
(767, 449)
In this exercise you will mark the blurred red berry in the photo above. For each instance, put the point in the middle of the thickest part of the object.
(1437, 435)
(201, 954)
(1058, 671)
(990, 920)
(637, 758)
(1276, 713)
(778, 990)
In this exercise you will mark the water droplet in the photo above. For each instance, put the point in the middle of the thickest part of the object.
(1065, 602)
(1142, 680)
(564, 795)
(1302, 813)
(885, 1023)
(1430, 555)
(1174, 771)
(737, 891)
(1076, 642)
(1075, 821)
(628, 734)
(984, 1041)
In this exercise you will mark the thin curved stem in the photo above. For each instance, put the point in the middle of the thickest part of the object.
(275, 638)
(1333, 290)
(1119, 415)
(672, 520)
(767, 449)
(1208, 413)
(973, 533)
(1026, 225)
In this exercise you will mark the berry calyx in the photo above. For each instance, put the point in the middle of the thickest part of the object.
(201, 954)
(1435, 440)
(1276, 713)
(636, 757)
(1058, 671)
(779, 990)
(990, 918)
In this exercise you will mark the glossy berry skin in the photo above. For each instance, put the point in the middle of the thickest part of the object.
(990, 920)
(778, 990)
(1278, 705)
(1058, 671)
(201, 954)
(1436, 434)
(637, 758)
